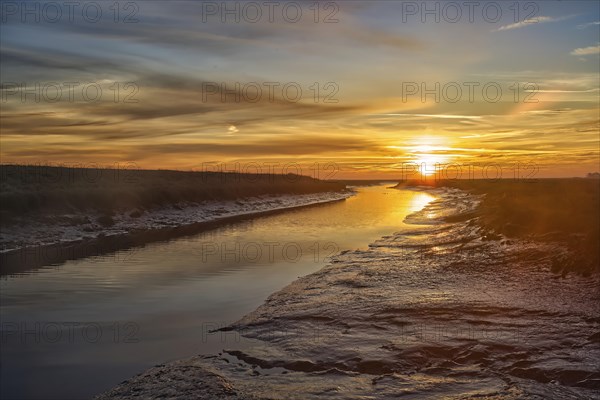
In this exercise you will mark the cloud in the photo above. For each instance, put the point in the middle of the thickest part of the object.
(586, 51)
(308, 144)
(442, 116)
(566, 91)
(583, 26)
(528, 22)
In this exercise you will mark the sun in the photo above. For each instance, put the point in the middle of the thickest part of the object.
(428, 159)
(428, 155)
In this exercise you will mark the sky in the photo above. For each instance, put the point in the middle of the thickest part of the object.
(346, 89)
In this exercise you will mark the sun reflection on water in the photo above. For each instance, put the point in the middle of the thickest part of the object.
(419, 201)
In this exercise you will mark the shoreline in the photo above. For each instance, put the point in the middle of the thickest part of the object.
(355, 327)
(101, 242)
(197, 374)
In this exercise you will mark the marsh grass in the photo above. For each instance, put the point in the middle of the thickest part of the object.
(559, 210)
(43, 190)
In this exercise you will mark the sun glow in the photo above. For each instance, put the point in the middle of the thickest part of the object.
(429, 158)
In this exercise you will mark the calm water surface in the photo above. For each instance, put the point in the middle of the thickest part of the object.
(77, 329)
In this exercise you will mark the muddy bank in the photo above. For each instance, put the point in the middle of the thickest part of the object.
(565, 211)
(45, 205)
(441, 311)
(35, 243)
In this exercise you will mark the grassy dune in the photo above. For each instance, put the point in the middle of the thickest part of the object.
(26, 190)
(563, 210)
